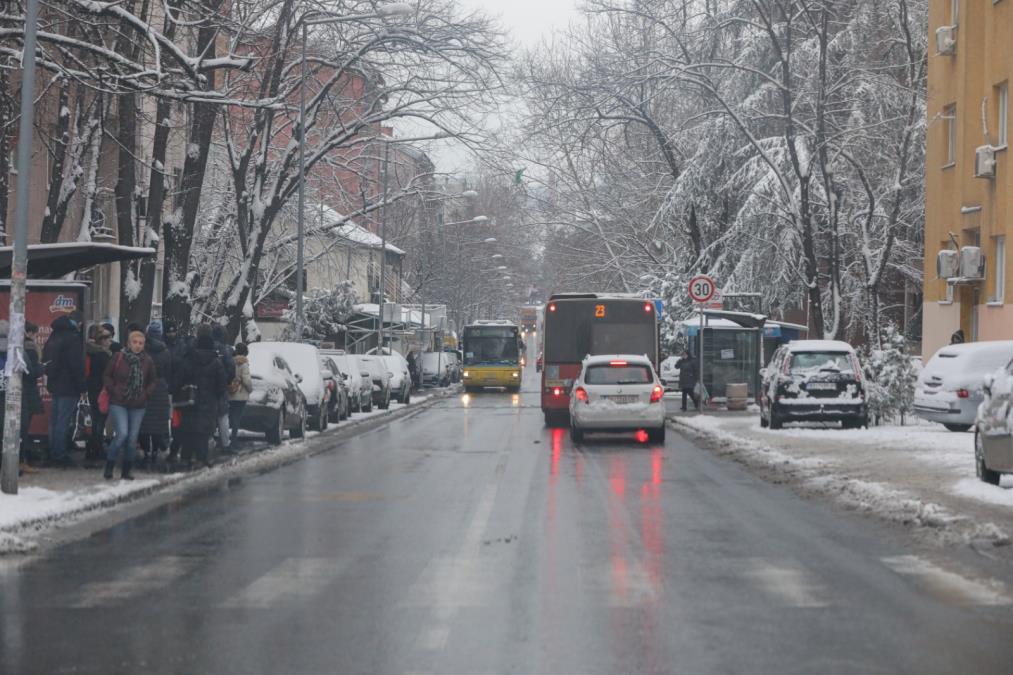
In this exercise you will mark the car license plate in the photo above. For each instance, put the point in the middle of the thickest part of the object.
(623, 400)
(821, 386)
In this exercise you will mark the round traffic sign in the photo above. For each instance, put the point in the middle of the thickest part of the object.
(701, 288)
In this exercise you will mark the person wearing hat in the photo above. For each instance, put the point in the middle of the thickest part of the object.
(158, 412)
(129, 378)
(98, 351)
(114, 346)
(63, 360)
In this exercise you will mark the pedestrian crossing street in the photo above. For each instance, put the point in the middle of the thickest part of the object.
(296, 581)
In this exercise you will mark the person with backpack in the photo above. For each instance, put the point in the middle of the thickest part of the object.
(129, 381)
(240, 388)
(157, 414)
(63, 361)
(97, 355)
(204, 378)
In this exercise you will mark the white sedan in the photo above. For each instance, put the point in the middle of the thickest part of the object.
(617, 393)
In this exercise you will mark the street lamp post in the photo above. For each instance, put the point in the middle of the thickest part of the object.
(388, 10)
(19, 269)
(383, 244)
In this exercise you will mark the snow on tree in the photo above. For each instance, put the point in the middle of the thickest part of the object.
(325, 311)
(890, 377)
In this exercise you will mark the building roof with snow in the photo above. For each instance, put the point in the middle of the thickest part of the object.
(343, 227)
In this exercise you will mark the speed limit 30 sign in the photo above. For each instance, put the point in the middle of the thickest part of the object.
(701, 288)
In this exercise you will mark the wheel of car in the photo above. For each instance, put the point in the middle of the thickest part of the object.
(275, 433)
(368, 407)
(984, 473)
(576, 435)
(407, 398)
(775, 419)
(656, 435)
(957, 427)
(763, 419)
(300, 430)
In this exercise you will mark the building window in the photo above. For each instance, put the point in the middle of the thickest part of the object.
(950, 129)
(1002, 96)
(1000, 269)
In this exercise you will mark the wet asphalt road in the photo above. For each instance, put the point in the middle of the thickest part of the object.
(470, 539)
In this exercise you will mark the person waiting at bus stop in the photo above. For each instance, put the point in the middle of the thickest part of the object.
(130, 379)
(689, 375)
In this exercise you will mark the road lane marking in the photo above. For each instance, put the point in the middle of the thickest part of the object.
(294, 579)
(947, 586)
(790, 585)
(144, 578)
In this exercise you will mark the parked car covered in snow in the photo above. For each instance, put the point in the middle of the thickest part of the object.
(360, 385)
(338, 405)
(670, 374)
(400, 377)
(435, 369)
(949, 388)
(304, 360)
(276, 402)
(379, 377)
(617, 393)
(813, 381)
(993, 428)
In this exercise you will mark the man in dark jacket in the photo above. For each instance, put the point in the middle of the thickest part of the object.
(97, 354)
(204, 372)
(63, 360)
(114, 346)
(688, 377)
(228, 358)
(155, 425)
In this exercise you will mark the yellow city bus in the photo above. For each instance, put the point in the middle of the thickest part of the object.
(492, 355)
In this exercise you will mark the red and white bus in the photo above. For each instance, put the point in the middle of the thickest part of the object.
(578, 324)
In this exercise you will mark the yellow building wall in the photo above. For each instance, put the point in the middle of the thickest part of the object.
(973, 210)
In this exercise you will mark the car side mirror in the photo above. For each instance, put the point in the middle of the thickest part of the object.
(298, 378)
(763, 372)
(987, 383)
(365, 374)
(344, 376)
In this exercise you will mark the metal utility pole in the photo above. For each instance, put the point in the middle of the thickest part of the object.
(19, 269)
(383, 243)
(300, 263)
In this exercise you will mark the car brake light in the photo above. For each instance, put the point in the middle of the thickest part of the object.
(552, 308)
(617, 364)
(556, 391)
(580, 394)
(657, 393)
(963, 393)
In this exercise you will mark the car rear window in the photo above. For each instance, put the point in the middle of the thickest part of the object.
(636, 374)
(807, 363)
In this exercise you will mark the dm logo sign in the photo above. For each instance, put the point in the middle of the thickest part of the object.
(63, 303)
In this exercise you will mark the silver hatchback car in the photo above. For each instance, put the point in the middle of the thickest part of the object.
(949, 389)
(993, 430)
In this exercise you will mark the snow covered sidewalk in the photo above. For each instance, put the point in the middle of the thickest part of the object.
(921, 475)
(56, 497)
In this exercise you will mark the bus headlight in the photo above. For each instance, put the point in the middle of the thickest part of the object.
(515, 374)
(467, 374)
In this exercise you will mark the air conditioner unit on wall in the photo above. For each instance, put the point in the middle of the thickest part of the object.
(946, 40)
(972, 263)
(984, 162)
(947, 264)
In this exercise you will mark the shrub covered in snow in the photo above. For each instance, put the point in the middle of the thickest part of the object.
(325, 310)
(890, 377)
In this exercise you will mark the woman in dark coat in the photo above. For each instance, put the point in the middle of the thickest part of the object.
(158, 412)
(205, 374)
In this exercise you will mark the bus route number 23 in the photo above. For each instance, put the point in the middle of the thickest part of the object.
(599, 311)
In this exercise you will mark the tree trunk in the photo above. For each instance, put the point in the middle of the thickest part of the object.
(7, 106)
(51, 222)
(126, 183)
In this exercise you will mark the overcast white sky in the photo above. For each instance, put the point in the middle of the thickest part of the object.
(527, 20)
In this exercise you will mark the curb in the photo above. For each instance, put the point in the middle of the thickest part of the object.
(260, 458)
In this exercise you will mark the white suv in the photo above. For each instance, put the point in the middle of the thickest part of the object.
(617, 393)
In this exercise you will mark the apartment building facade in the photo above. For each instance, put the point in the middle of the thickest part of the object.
(969, 186)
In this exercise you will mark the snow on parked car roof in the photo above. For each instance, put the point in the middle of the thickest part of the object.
(304, 360)
(820, 346)
(970, 357)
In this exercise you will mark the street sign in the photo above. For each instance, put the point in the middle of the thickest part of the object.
(701, 288)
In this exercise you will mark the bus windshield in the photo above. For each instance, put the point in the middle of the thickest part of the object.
(595, 326)
(490, 346)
